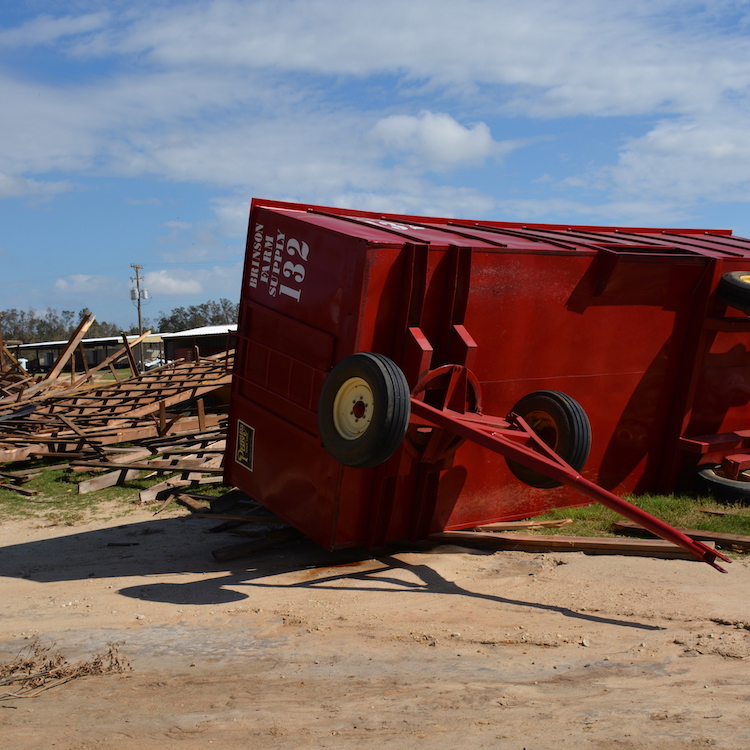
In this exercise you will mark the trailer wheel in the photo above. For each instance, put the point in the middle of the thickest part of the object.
(734, 290)
(710, 480)
(364, 410)
(561, 423)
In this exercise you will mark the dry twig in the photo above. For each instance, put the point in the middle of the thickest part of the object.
(38, 668)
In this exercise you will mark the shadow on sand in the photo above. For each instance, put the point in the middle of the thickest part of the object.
(177, 546)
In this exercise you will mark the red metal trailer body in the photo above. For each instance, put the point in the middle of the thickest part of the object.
(625, 321)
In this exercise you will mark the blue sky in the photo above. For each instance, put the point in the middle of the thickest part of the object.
(138, 132)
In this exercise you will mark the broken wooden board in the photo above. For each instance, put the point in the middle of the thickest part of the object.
(194, 505)
(156, 464)
(17, 488)
(110, 479)
(512, 525)
(554, 543)
(724, 513)
(721, 539)
(161, 490)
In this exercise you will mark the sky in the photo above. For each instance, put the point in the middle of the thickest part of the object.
(137, 132)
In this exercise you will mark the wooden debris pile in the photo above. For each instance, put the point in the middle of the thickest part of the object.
(172, 419)
(182, 460)
(166, 400)
(12, 480)
(18, 386)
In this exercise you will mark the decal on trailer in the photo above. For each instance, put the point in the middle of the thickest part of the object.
(278, 262)
(245, 445)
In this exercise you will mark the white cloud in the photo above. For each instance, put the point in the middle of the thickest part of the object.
(232, 214)
(45, 29)
(87, 284)
(438, 139)
(172, 282)
(248, 97)
(583, 56)
(209, 283)
(689, 159)
(14, 187)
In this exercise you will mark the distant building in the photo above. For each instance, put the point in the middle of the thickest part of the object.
(42, 355)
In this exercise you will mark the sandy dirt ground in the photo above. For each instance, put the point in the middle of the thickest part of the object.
(299, 648)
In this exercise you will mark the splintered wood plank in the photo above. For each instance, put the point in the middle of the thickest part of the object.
(17, 488)
(110, 479)
(724, 513)
(512, 525)
(203, 467)
(738, 541)
(71, 346)
(194, 505)
(119, 354)
(158, 491)
(549, 543)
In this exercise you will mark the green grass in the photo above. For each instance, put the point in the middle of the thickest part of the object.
(58, 500)
(123, 373)
(678, 510)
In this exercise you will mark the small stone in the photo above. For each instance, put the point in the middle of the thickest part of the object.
(585, 642)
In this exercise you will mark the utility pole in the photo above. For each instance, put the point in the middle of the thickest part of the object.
(138, 294)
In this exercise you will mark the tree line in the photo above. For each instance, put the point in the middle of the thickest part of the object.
(210, 313)
(33, 326)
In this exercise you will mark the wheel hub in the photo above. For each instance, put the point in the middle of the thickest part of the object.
(353, 408)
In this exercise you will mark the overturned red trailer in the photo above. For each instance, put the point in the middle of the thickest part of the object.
(399, 375)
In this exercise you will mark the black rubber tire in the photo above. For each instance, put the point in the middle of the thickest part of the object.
(561, 423)
(391, 409)
(734, 290)
(710, 481)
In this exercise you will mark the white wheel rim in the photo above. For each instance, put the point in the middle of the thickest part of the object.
(353, 408)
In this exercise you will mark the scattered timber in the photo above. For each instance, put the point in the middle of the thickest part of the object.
(721, 539)
(724, 513)
(513, 525)
(554, 543)
(158, 404)
(18, 488)
(191, 503)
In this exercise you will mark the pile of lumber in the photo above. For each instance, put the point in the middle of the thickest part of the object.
(187, 459)
(17, 386)
(172, 420)
(167, 400)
